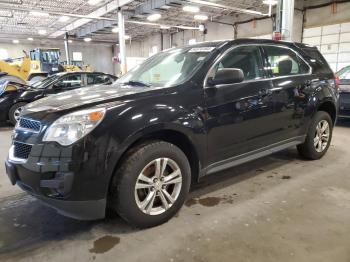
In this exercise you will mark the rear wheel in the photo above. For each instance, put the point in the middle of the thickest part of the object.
(15, 112)
(151, 185)
(318, 138)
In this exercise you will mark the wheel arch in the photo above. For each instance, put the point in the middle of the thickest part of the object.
(330, 108)
(173, 136)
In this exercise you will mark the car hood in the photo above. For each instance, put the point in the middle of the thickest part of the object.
(86, 96)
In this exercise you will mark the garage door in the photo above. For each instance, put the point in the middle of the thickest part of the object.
(333, 41)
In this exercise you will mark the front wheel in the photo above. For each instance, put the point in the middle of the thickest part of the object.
(15, 112)
(318, 138)
(151, 185)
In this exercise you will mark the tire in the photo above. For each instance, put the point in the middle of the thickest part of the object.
(14, 112)
(310, 150)
(127, 201)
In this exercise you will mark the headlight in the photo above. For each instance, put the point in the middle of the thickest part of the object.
(70, 128)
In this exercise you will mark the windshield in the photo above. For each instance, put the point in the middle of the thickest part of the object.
(344, 73)
(42, 84)
(167, 68)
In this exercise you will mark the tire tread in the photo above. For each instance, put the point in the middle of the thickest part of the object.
(123, 178)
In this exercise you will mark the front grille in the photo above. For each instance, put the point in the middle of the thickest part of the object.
(29, 124)
(21, 150)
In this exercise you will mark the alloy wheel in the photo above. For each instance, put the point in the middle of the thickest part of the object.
(17, 113)
(322, 134)
(158, 186)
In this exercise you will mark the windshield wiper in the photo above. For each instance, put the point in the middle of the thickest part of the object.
(136, 83)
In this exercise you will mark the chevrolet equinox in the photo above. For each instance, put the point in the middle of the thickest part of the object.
(136, 146)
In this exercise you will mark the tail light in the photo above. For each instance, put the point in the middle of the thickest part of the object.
(337, 82)
(277, 36)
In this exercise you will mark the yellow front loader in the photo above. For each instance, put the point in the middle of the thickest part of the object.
(16, 71)
(35, 66)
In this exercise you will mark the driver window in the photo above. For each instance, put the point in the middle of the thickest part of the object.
(246, 58)
(72, 81)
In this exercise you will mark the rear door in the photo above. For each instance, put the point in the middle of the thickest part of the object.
(291, 77)
(239, 116)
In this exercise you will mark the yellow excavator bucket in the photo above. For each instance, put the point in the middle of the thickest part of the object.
(38, 64)
(19, 68)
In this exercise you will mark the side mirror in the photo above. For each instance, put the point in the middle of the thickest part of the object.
(227, 76)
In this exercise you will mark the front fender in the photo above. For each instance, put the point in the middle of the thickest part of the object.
(131, 124)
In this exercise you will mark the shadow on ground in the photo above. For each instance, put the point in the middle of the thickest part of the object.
(5, 126)
(26, 224)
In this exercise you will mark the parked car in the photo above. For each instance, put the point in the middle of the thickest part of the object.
(13, 96)
(344, 92)
(136, 146)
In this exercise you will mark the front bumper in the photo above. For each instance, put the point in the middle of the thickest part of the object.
(69, 179)
(74, 179)
(82, 210)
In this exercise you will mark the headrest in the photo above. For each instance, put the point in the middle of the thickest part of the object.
(285, 67)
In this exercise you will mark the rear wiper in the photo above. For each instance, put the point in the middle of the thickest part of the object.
(136, 83)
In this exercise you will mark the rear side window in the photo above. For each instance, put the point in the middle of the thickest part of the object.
(95, 79)
(284, 62)
(317, 61)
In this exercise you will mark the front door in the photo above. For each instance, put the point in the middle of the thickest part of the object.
(239, 116)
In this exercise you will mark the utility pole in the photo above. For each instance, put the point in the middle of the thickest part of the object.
(284, 19)
(66, 45)
(122, 49)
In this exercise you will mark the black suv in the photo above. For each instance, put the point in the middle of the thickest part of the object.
(135, 147)
(14, 96)
(344, 92)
